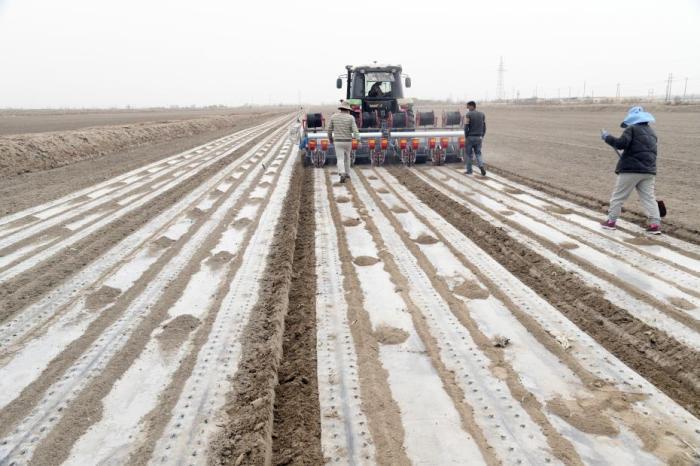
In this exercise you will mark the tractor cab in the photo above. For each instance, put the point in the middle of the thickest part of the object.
(376, 92)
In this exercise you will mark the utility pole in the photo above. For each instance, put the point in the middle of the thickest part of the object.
(669, 87)
(617, 93)
(500, 85)
(685, 88)
(584, 89)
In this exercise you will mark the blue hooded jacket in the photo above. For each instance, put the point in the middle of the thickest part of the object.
(638, 143)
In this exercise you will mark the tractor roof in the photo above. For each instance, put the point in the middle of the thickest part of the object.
(374, 67)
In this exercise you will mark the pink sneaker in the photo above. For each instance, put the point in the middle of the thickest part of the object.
(654, 229)
(608, 224)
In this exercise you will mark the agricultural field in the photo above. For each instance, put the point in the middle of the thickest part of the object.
(210, 300)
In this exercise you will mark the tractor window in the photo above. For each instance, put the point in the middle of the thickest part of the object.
(378, 84)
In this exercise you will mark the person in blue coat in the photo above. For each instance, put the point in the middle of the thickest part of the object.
(636, 167)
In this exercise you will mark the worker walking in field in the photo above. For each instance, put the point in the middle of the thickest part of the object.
(474, 132)
(341, 130)
(636, 168)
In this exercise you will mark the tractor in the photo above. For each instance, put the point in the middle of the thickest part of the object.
(390, 129)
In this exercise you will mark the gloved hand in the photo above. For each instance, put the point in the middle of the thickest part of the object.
(604, 134)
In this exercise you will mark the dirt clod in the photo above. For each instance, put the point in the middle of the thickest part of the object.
(471, 290)
(176, 332)
(365, 260)
(102, 297)
(426, 239)
(389, 335)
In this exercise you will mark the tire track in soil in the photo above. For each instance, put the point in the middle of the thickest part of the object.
(296, 433)
(664, 363)
(247, 439)
(638, 217)
(31, 285)
(86, 408)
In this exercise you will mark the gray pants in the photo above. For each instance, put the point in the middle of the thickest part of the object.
(474, 145)
(342, 153)
(644, 184)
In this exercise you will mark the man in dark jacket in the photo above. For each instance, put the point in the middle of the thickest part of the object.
(636, 168)
(474, 132)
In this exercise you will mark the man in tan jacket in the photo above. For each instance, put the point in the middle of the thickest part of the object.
(341, 130)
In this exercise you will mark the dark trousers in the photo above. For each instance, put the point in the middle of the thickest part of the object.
(474, 146)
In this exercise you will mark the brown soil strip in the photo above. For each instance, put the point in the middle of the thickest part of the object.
(382, 190)
(86, 408)
(561, 447)
(398, 210)
(383, 415)
(670, 228)
(507, 212)
(296, 434)
(31, 285)
(102, 297)
(342, 199)
(247, 437)
(365, 261)
(665, 362)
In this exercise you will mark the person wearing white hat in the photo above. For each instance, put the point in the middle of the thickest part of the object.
(341, 130)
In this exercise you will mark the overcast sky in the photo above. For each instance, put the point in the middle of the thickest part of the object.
(101, 53)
